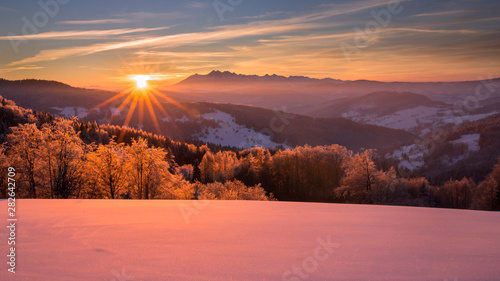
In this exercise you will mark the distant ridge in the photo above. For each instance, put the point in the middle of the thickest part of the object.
(232, 76)
(227, 75)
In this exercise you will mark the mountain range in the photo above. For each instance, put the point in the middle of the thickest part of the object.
(324, 111)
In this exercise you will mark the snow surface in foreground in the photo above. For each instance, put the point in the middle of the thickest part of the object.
(243, 240)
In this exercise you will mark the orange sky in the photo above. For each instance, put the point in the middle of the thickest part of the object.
(100, 48)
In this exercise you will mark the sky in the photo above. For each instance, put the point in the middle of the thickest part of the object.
(100, 44)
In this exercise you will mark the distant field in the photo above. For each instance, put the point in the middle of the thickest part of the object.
(244, 240)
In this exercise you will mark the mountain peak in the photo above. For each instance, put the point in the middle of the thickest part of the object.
(227, 76)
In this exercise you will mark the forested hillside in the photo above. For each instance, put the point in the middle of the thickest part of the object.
(66, 158)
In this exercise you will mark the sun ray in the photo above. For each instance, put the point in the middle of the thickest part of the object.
(158, 104)
(170, 100)
(130, 112)
(143, 95)
(111, 99)
(152, 113)
(128, 118)
(118, 111)
(141, 109)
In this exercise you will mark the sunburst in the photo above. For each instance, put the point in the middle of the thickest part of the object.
(142, 94)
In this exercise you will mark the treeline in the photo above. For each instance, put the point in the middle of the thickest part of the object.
(65, 158)
(334, 174)
(54, 162)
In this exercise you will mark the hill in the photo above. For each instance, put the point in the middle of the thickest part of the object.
(197, 123)
(377, 103)
(247, 126)
(469, 150)
(251, 241)
(50, 95)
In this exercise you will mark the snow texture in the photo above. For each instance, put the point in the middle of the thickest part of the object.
(246, 240)
(472, 140)
(70, 111)
(233, 134)
(418, 119)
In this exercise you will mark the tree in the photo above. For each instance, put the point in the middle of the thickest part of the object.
(456, 193)
(496, 176)
(221, 166)
(485, 194)
(148, 169)
(4, 165)
(62, 153)
(26, 142)
(176, 187)
(107, 165)
(361, 177)
(307, 173)
(232, 190)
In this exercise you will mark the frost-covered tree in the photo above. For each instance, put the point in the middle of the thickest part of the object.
(106, 165)
(456, 193)
(148, 169)
(232, 190)
(485, 194)
(496, 176)
(221, 166)
(361, 178)
(176, 187)
(62, 154)
(26, 143)
(4, 165)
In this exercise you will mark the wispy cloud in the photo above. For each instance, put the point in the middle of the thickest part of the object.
(182, 54)
(266, 15)
(197, 5)
(444, 13)
(75, 34)
(11, 69)
(292, 42)
(100, 21)
(217, 34)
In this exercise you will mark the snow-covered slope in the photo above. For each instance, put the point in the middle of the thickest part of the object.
(71, 111)
(419, 120)
(231, 133)
(242, 240)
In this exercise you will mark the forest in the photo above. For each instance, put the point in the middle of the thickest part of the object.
(66, 158)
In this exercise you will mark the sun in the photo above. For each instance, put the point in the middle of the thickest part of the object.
(141, 80)
(141, 97)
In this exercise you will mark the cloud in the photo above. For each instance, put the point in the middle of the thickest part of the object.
(445, 13)
(305, 43)
(176, 40)
(266, 15)
(101, 21)
(197, 5)
(75, 34)
(29, 67)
